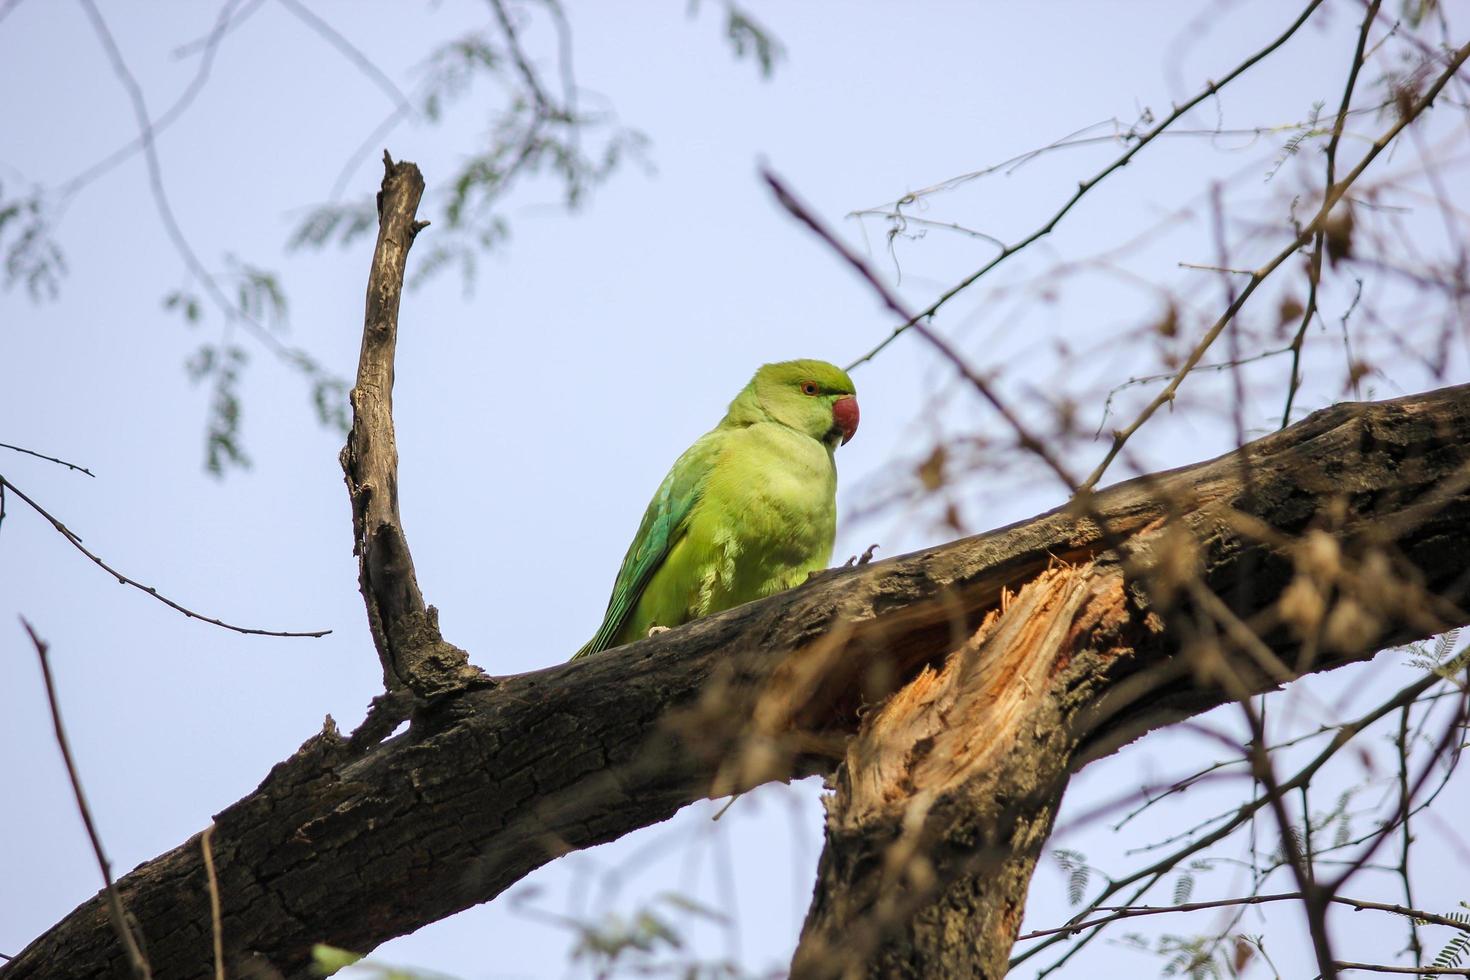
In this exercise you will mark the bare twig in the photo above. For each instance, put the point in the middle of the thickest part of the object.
(1332, 195)
(1314, 896)
(1135, 911)
(1209, 91)
(231, 15)
(350, 51)
(1148, 876)
(523, 64)
(1432, 971)
(76, 543)
(1314, 273)
(49, 459)
(1445, 746)
(1024, 436)
(171, 225)
(211, 39)
(217, 930)
(115, 909)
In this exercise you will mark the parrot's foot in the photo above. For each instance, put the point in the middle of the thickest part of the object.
(856, 561)
(656, 630)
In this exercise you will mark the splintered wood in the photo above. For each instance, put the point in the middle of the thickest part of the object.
(950, 724)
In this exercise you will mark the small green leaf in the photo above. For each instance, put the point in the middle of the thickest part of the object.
(327, 960)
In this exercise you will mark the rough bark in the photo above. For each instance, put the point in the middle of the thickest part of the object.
(1017, 655)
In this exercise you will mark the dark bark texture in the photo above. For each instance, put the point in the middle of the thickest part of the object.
(1054, 636)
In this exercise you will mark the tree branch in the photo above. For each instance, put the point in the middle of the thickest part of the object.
(352, 842)
(76, 542)
(136, 961)
(406, 632)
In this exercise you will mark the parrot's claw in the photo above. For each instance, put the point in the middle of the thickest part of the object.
(656, 630)
(856, 561)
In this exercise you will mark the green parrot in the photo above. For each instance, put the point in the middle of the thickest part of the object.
(748, 510)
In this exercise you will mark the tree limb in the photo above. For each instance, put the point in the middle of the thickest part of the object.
(354, 842)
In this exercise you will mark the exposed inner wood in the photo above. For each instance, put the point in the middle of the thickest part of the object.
(947, 725)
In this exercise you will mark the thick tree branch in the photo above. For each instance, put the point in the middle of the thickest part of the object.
(352, 842)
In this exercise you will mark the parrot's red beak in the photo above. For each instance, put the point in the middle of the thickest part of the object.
(845, 416)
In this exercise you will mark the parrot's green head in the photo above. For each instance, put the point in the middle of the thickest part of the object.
(813, 397)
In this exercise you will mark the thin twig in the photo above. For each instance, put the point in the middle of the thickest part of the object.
(76, 543)
(49, 459)
(1447, 743)
(160, 195)
(1314, 896)
(115, 909)
(1135, 911)
(1332, 195)
(523, 64)
(1024, 436)
(1433, 971)
(1402, 749)
(1153, 873)
(351, 52)
(206, 846)
(227, 20)
(209, 40)
(1315, 263)
(1209, 91)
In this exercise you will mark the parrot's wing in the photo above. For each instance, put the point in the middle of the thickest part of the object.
(664, 523)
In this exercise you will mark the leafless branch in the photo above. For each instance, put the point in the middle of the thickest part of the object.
(518, 55)
(351, 52)
(217, 932)
(1142, 140)
(171, 225)
(1331, 196)
(115, 908)
(49, 459)
(1423, 971)
(232, 14)
(1134, 911)
(1314, 271)
(1024, 436)
(76, 542)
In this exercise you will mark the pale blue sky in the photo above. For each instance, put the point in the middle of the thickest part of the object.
(537, 413)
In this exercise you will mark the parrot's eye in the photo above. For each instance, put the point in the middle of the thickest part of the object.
(809, 388)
